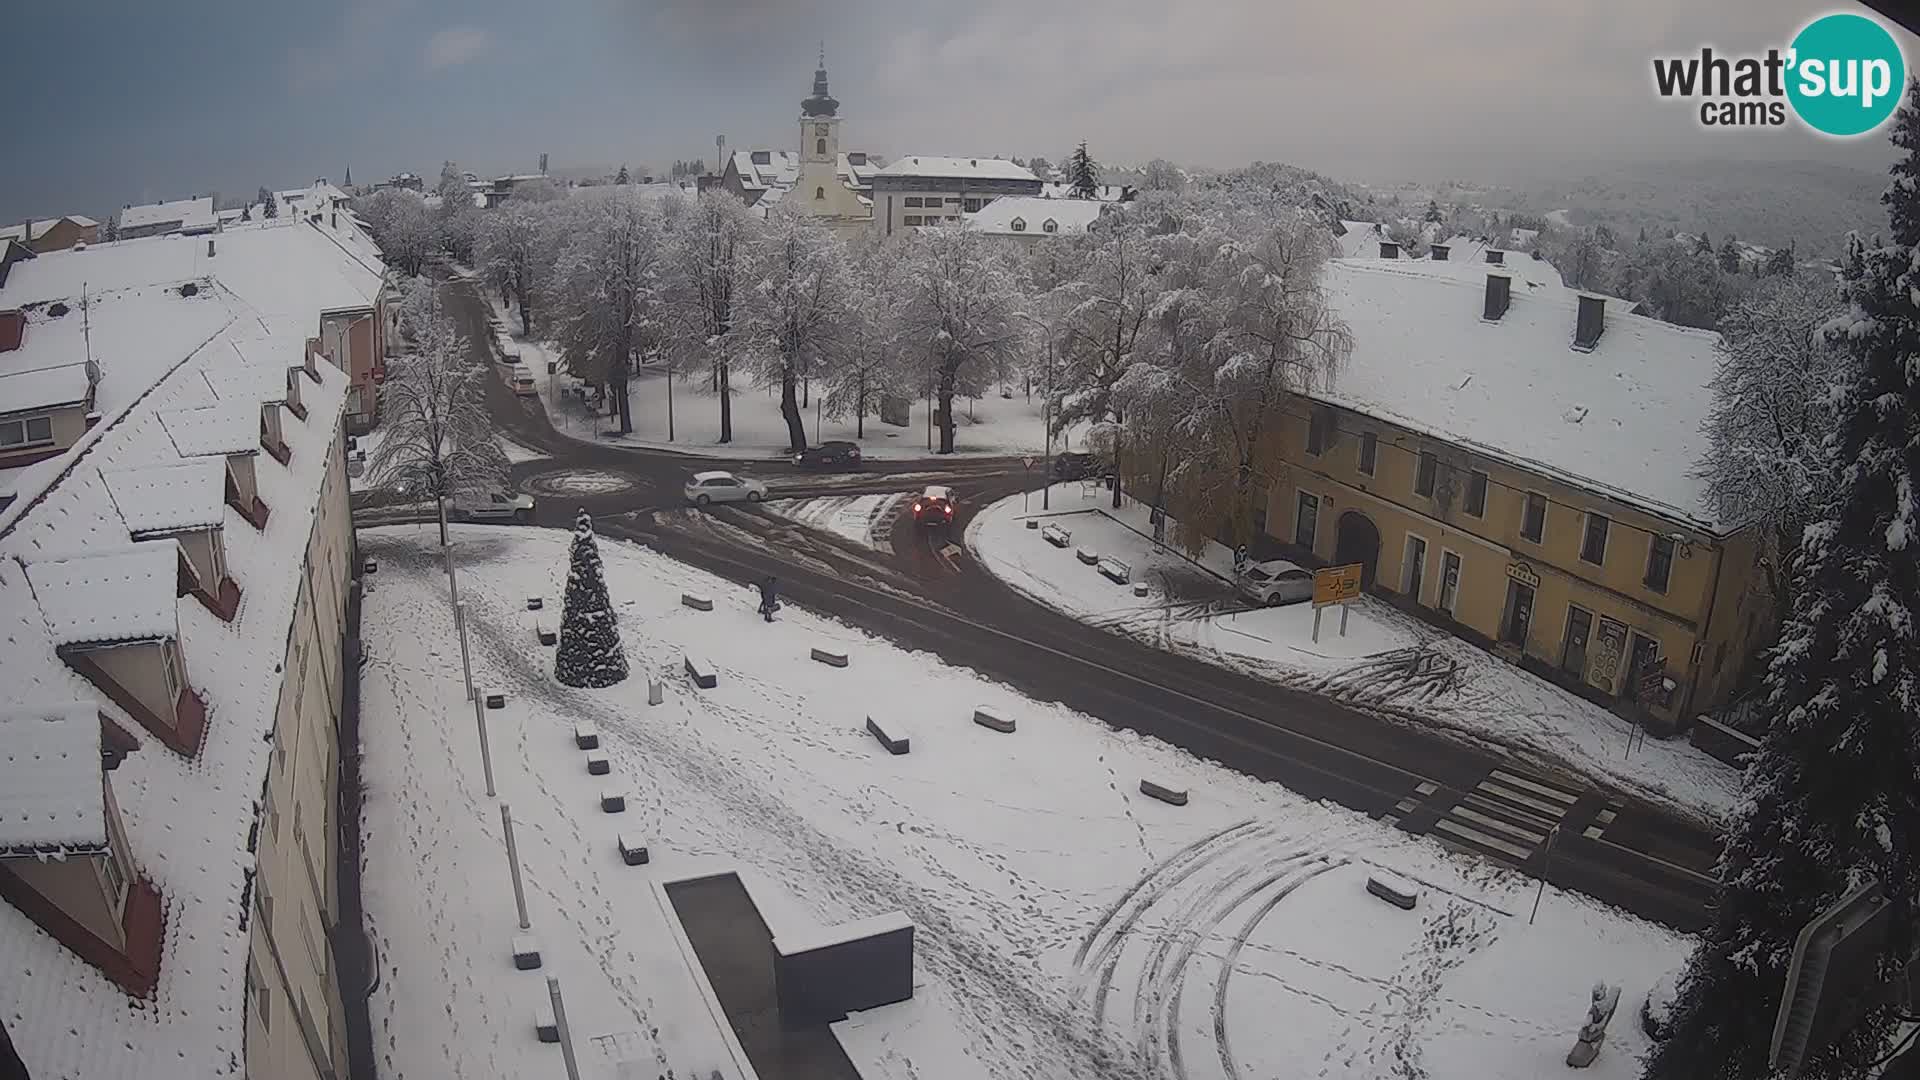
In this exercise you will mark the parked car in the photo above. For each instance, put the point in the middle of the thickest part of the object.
(492, 506)
(1074, 466)
(829, 455)
(720, 487)
(934, 506)
(523, 381)
(1276, 582)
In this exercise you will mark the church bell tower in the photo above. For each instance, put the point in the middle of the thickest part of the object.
(819, 124)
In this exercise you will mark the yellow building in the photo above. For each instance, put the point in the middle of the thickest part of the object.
(1516, 466)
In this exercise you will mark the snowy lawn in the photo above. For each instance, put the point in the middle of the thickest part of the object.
(1389, 661)
(1067, 926)
(991, 426)
(866, 520)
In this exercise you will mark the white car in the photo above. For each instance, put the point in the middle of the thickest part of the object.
(1276, 582)
(493, 506)
(719, 487)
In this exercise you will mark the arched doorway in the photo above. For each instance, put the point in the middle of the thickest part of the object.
(1357, 540)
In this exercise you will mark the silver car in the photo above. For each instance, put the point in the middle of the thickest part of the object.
(493, 506)
(720, 487)
(1276, 582)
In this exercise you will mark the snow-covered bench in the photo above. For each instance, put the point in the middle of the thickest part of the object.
(1057, 536)
(545, 634)
(701, 672)
(633, 851)
(585, 735)
(496, 700)
(696, 601)
(1087, 555)
(1115, 571)
(535, 603)
(830, 658)
(597, 764)
(993, 721)
(1170, 796)
(891, 736)
(526, 952)
(612, 802)
(544, 1027)
(1394, 889)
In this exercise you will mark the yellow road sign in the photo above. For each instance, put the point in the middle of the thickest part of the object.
(1336, 584)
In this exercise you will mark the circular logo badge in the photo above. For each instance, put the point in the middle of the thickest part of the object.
(1848, 74)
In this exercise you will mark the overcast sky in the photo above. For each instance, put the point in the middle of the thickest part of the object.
(117, 101)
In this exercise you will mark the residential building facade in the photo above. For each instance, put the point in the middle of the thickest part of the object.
(56, 234)
(1022, 220)
(917, 191)
(1518, 470)
(191, 216)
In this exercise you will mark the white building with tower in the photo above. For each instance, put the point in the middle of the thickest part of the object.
(820, 180)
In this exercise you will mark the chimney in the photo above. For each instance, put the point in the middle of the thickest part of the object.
(13, 328)
(1496, 256)
(334, 220)
(1439, 252)
(209, 247)
(1499, 294)
(1389, 249)
(1590, 322)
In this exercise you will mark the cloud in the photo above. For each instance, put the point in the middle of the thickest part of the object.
(456, 45)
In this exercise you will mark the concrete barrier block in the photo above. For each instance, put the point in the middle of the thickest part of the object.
(1057, 536)
(656, 691)
(1170, 796)
(1139, 588)
(535, 603)
(633, 851)
(1033, 523)
(586, 736)
(370, 567)
(544, 1027)
(526, 952)
(890, 736)
(547, 635)
(830, 658)
(993, 721)
(1087, 555)
(613, 802)
(1394, 889)
(496, 700)
(701, 672)
(696, 601)
(597, 764)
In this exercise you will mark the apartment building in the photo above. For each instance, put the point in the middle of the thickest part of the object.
(1022, 220)
(916, 191)
(173, 608)
(1515, 464)
(192, 216)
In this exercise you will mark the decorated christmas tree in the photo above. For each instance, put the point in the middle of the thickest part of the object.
(590, 654)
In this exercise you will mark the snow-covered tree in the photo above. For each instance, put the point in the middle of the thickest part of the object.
(1831, 797)
(508, 250)
(543, 190)
(1780, 261)
(708, 249)
(1163, 175)
(1768, 460)
(623, 177)
(796, 314)
(605, 292)
(1729, 255)
(867, 367)
(957, 320)
(1083, 173)
(1105, 309)
(401, 227)
(1433, 214)
(439, 440)
(590, 653)
(269, 206)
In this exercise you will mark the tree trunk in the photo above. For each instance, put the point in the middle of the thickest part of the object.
(860, 409)
(440, 505)
(790, 410)
(618, 373)
(945, 409)
(526, 315)
(723, 384)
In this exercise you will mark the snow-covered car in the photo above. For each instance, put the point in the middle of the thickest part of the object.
(719, 487)
(493, 506)
(523, 381)
(934, 506)
(1276, 582)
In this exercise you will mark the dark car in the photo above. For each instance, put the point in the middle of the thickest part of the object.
(934, 506)
(1074, 466)
(829, 455)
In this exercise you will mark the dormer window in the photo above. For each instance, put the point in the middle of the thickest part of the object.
(271, 438)
(230, 432)
(1050, 226)
(294, 405)
(112, 619)
(183, 502)
(819, 193)
(1019, 224)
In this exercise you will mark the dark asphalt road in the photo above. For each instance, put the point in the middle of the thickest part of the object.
(1609, 845)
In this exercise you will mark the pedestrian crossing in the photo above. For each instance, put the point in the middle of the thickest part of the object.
(1507, 816)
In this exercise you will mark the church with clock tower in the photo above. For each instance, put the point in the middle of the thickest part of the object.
(820, 188)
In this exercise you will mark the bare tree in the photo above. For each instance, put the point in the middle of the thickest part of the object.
(1769, 451)
(508, 249)
(795, 320)
(708, 248)
(958, 320)
(439, 440)
(867, 367)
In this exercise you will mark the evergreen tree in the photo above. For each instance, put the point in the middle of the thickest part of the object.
(1433, 211)
(590, 654)
(1832, 797)
(1083, 173)
(1643, 234)
(1729, 256)
(1780, 261)
(1703, 244)
(623, 176)
(269, 206)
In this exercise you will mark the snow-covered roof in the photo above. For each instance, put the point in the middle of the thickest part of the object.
(186, 819)
(1064, 190)
(125, 594)
(1361, 239)
(165, 498)
(189, 213)
(1033, 212)
(42, 388)
(1623, 420)
(985, 168)
(40, 228)
(50, 793)
(781, 169)
(230, 427)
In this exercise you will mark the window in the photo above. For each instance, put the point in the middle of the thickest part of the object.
(1019, 224)
(257, 992)
(30, 431)
(1050, 225)
(1429, 469)
(117, 878)
(913, 219)
(820, 193)
(1533, 520)
(820, 129)
(1317, 433)
(819, 146)
(1477, 494)
(1306, 521)
(1593, 547)
(1659, 563)
(954, 199)
(913, 200)
(170, 670)
(972, 206)
(1369, 451)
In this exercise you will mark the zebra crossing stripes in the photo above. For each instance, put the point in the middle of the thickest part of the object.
(1506, 816)
(1412, 802)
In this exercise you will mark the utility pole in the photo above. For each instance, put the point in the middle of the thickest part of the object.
(560, 1025)
(513, 861)
(486, 754)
